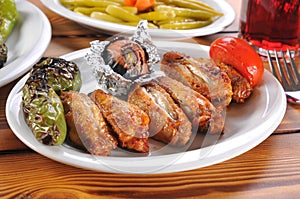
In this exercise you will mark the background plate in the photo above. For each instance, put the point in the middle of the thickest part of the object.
(113, 28)
(27, 42)
(246, 126)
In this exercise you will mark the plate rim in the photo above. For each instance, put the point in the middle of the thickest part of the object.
(109, 27)
(25, 61)
(181, 164)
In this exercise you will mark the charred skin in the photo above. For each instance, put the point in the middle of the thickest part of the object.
(86, 125)
(60, 74)
(3, 54)
(241, 88)
(200, 111)
(204, 77)
(44, 113)
(126, 58)
(42, 107)
(168, 123)
(129, 123)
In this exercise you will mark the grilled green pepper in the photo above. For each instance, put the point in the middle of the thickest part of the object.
(42, 107)
(44, 113)
(3, 54)
(8, 19)
(60, 74)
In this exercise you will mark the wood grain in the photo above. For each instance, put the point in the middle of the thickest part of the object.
(61, 26)
(260, 173)
(270, 170)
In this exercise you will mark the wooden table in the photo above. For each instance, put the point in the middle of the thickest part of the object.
(272, 169)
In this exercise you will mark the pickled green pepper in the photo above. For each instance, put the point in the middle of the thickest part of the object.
(8, 19)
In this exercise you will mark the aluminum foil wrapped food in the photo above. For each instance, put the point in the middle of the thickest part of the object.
(121, 61)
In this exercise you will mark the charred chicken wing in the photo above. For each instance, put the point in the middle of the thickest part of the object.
(241, 88)
(168, 123)
(129, 122)
(204, 77)
(200, 111)
(87, 127)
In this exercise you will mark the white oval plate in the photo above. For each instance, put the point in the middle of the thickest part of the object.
(246, 126)
(27, 42)
(113, 28)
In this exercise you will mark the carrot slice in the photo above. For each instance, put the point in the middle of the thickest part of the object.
(129, 2)
(141, 5)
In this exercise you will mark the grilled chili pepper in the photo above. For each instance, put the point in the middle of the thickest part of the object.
(44, 113)
(8, 19)
(60, 74)
(42, 107)
(3, 54)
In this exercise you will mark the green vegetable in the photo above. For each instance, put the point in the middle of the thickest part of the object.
(194, 5)
(158, 15)
(185, 25)
(42, 107)
(121, 13)
(44, 113)
(8, 19)
(89, 10)
(89, 3)
(188, 13)
(3, 54)
(105, 17)
(60, 74)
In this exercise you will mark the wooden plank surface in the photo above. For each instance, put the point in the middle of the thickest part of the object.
(267, 171)
(270, 170)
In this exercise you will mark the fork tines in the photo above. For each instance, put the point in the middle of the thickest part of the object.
(286, 73)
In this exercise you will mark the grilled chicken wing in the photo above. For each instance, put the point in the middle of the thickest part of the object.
(87, 128)
(241, 88)
(128, 121)
(204, 77)
(168, 122)
(200, 111)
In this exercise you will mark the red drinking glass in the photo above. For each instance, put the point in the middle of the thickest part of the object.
(271, 24)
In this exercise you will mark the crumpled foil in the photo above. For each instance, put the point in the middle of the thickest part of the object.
(111, 81)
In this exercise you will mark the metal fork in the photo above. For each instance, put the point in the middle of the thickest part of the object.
(288, 75)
